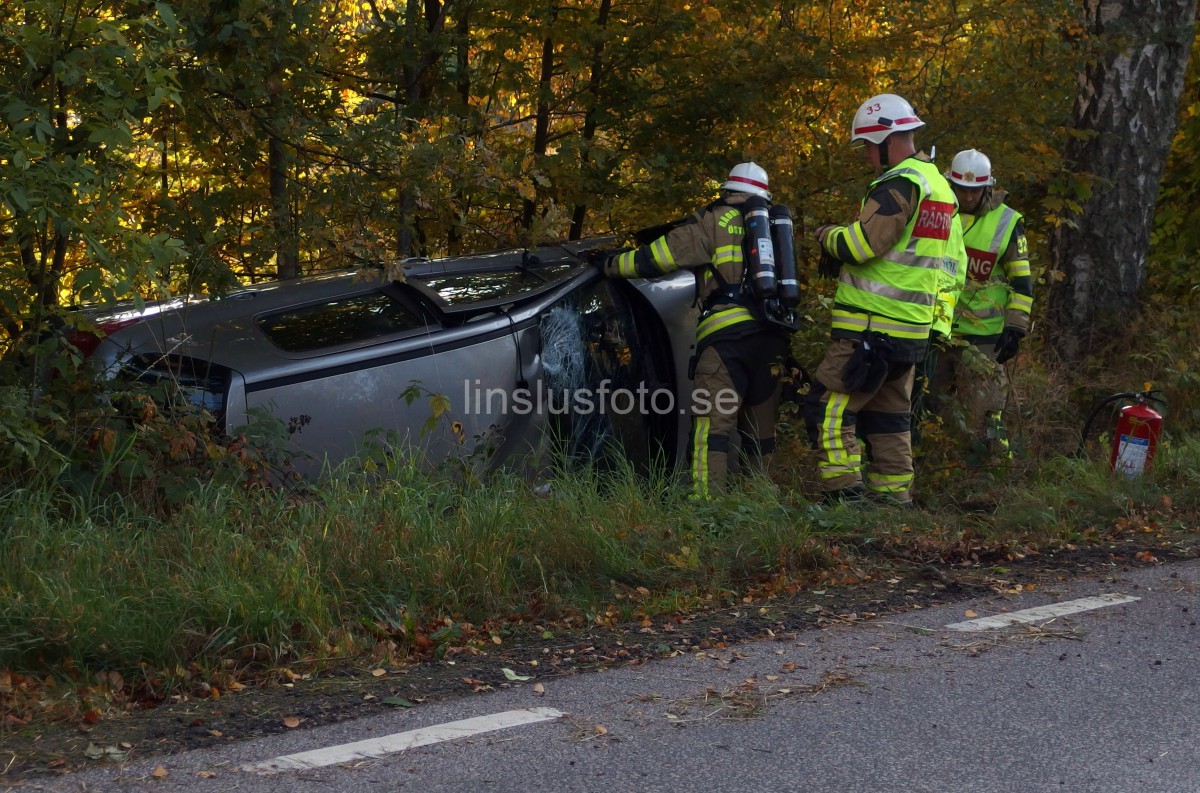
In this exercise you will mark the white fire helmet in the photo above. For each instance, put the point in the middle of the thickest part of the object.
(882, 115)
(748, 177)
(971, 168)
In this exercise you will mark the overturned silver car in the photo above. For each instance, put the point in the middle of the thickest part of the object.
(507, 353)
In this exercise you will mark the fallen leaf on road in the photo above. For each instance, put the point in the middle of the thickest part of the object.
(159, 772)
(539, 689)
(511, 675)
(291, 721)
(206, 774)
(969, 613)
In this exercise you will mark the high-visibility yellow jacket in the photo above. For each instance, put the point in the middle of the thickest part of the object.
(999, 288)
(950, 280)
(710, 239)
(893, 291)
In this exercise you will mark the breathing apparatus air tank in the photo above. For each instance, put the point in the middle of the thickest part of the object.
(760, 252)
(782, 234)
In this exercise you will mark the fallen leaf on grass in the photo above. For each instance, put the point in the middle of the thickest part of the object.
(378, 672)
(511, 675)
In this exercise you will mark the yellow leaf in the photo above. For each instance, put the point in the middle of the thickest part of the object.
(378, 672)
(159, 772)
(969, 613)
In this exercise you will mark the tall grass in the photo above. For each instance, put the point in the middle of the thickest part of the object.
(267, 576)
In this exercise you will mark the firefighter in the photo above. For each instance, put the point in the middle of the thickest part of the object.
(992, 315)
(888, 264)
(738, 353)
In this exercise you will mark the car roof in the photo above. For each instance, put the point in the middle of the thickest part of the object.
(222, 329)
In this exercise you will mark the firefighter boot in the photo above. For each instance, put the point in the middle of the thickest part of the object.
(853, 496)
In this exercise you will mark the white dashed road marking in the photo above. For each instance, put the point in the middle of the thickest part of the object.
(400, 741)
(1041, 613)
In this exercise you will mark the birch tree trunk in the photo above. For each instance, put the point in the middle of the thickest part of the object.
(1128, 105)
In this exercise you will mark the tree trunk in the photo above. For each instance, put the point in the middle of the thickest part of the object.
(1128, 105)
(287, 256)
(541, 127)
(595, 80)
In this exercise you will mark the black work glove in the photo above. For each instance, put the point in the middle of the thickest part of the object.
(1008, 344)
(597, 257)
(827, 266)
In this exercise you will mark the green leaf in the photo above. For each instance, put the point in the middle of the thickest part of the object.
(167, 14)
(398, 702)
(16, 195)
(513, 676)
(16, 110)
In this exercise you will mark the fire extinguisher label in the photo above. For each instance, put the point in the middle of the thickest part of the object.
(1131, 455)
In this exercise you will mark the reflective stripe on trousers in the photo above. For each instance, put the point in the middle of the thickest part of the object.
(835, 417)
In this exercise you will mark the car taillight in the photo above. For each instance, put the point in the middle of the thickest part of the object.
(86, 341)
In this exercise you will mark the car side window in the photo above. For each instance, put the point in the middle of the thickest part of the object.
(467, 288)
(345, 320)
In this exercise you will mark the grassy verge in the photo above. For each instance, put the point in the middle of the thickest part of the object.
(366, 569)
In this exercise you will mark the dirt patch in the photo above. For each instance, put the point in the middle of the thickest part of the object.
(894, 585)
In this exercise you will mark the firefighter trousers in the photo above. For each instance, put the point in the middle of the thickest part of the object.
(835, 416)
(969, 374)
(736, 389)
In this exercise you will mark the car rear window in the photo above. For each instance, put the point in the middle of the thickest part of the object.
(469, 288)
(336, 322)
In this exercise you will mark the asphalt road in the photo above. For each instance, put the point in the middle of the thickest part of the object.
(1101, 700)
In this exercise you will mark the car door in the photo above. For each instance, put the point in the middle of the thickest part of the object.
(377, 372)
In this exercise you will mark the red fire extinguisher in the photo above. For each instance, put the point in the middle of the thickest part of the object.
(1136, 437)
